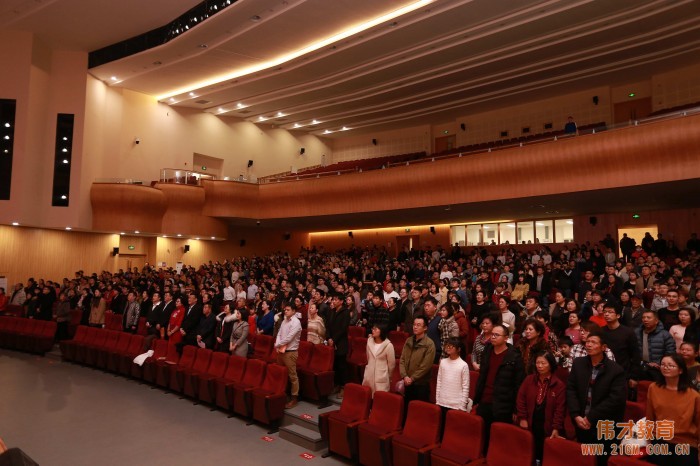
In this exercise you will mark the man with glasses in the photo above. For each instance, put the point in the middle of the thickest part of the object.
(501, 374)
(416, 362)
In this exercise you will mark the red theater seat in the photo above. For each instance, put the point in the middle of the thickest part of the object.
(339, 428)
(520, 447)
(95, 340)
(190, 382)
(357, 358)
(462, 442)
(157, 365)
(217, 368)
(316, 381)
(635, 411)
(234, 373)
(269, 399)
(239, 392)
(642, 389)
(420, 435)
(125, 361)
(113, 357)
(264, 348)
(102, 353)
(625, 461)
(304, 354)
(398, 339)
(562, 452)
(374, 436)
(357, 332)
(174, 372)
(68, 347)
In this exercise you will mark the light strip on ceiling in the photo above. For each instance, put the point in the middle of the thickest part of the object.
(301, 52)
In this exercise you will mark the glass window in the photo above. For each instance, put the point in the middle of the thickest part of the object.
(544, 231)
(458, 234)
(490, 234)
(526, 233)
(473, 235)
(507, 233)
(564, 230)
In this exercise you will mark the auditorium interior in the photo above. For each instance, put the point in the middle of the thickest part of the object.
(169, 133)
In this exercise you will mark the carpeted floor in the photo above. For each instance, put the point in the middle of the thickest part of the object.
(64, 414)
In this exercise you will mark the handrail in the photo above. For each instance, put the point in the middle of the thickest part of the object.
(178, 176)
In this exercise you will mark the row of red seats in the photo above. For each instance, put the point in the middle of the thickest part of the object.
(30, 335)
(375, 437)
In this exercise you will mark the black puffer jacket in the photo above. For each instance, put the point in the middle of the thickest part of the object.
(510, 375)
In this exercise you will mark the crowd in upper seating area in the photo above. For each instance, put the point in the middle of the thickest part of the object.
(579, 324)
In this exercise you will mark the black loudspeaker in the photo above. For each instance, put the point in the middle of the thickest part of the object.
(593, 220)
(115, 251)
(463, 126)
(242, 242)
(187, 248)
(250, 163)
(350, 234)
(287, 236)
(374, 141)
(595, 100)
(432, 230)
(301, 151)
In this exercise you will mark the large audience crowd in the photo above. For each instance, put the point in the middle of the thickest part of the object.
(571, 332)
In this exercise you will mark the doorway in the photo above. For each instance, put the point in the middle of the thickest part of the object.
(406, 243)
(631, 110)
(129, 261)
(635, 232)
(445, 143)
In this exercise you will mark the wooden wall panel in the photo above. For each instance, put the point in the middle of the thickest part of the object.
(53, 254)
(184, 212)
(381, 237)
(126, 207)
(652, 153)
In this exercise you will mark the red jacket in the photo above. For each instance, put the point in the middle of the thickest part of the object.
(554, 409)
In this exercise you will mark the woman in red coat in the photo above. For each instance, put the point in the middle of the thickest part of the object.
(541, 403)
(174, 334)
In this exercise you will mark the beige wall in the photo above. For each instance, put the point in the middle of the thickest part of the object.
(402, 141)
(677, 87)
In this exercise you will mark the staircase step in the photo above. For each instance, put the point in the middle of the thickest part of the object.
(305, 438)
(305, 414)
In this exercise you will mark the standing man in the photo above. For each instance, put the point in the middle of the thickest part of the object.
(152, 320)
(206, 328)
(501, 374)
(433, 321)
(190, 321)
(287, 345)
(622, 342)
(654, 342)
(337, 331)
(131, 313)
(168, 308)
(416, 362)
(596, 394)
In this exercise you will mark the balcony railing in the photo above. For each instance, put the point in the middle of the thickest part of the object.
(177, 176)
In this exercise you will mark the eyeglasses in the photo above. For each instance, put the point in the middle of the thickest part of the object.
(668, 366)
(496, 335)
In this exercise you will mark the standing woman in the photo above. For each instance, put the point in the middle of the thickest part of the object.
(98, 306)
(174, 323)
(239, 336)
(671, 399)
(145, 305)
(686, 319)
(380, 361)
(484, 338)
(574, 329)
(84, 305)
(447, 326)
(315, 327)
(224, 326)
(266, 323)
(452, 390)
(541, 402)
(532, 343)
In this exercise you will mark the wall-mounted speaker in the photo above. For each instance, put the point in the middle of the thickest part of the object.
(350, 234)
(250, 163)
(187, 248)
(595, 100)
(463, 126)
(593, 220)
(432, 230)
(115, 251)
(374, 141)
(301, 151)
(242, 242)
(287, 236)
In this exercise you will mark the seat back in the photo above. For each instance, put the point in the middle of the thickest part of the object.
(100, 338)
(321, 359)
(171, 353)
(122, 342)
(635, 411)
(387, 411)
(111, 340)
(187, 357)
(464, 434)
(398, 339)
(235, 368)
(473, 380)
(29, 327)
(75, 316)
(160, 349)
(275, 379)
(357, 332)
(80, 333)
(217, 366)
(254, 373)
(135, 344)
(423, 422)
(559, 451)
(521, 445)
(49, 329)
(202, 358)
(358, 351)
(356, 402)
(642, 389)
(263, 346)
(304, 354)
(91, 335)
(141, 328)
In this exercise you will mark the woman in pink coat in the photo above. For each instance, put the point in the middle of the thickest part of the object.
(380, 361)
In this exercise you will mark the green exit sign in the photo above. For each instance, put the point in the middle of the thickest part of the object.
(131, 247)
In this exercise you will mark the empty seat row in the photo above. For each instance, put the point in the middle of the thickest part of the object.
(30, 335)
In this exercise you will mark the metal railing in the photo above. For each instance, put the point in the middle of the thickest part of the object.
(177, 176)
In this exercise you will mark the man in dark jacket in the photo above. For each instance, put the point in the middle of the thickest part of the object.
(190, 321)
(501, 374)
(206, 327)
(654, 341)
(596, 392)
(337, 333)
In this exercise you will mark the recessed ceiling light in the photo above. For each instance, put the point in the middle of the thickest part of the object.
(65, 160)
(113, 78)
(240, 105)
(165, 236)
(280, 114)
(261, 118)
(255, 18)
(221, 110)
(137, 232)
(64, 197)
(203, 46)
(213, 237)
(327, 131)
(171, 99)
(315, 122)
(15, 224)
(344, 128)
(68, 228)
(122, 233)
(64, 150)
(7, 125)
(192, 94)
(179, 235)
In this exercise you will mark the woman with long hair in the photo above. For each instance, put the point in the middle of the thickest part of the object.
(532, 343)
(447, 326)
(238, 343)
(266, 323)
(224, 326)
(671, 401)
(380, 361)
(521, 288)
(484, 338)
(98, 306)
(315, 327)
(573, 331)
(686, 319)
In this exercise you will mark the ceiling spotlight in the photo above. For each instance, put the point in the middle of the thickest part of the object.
(137, 232)
(192, 94)
(297, 125)
(65, 138)
(197, 239)
(327, 131)
(7, 125)
(213, 237)
(68, 228)
(280, 114)
(64, 197)
(7, 137)
(221, 109)
(261, 118)
(178, 235)
(203, 46)
(122, 233)
(344, 128)
(315, 122)
(255, 18)
(15, 224)
(240, 105)
(64, 150)
(113, 78)
(65, 160)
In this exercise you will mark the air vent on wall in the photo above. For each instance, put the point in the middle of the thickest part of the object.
(202, 102)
